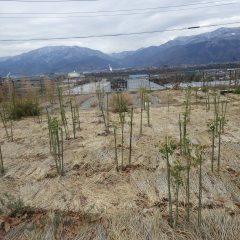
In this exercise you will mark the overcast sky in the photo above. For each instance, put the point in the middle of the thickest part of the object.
(40, 27)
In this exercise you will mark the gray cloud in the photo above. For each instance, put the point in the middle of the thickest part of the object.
(12, 28)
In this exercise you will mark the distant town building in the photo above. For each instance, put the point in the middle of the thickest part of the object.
(74, 74)
(119, 84)
(75, 77)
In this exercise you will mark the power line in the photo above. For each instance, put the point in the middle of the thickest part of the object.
(118, 34)
(115, 15)
(47, 1)
(122, 10)
(112, 15)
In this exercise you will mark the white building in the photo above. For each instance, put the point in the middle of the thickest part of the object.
(74, 74)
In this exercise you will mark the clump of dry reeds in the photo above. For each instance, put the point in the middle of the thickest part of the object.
(120, 102)
(21, 103)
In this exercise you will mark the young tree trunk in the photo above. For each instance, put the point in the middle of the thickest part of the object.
(169, 186)
(141, 121)
(62, 169)
(62, 111)
(185, 133)
(73, 119)
(115, 145)
(11, 126)
(56, 150)
(168, 100)
(213, 147)
(107, 114)
(2, 170)
(130, 138)
(200, 193)
(78, 118)
(180, 133)
(219, 146)
(188, 190)
(148, 112)
(176, 215)
(122, 142)
(104, 118)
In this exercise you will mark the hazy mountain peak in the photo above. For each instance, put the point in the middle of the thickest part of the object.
(221, 45)
(219, 33)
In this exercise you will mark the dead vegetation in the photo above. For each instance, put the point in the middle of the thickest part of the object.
(117, 98)
(136, 173)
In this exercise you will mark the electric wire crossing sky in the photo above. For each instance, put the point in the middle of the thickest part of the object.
(107, 25)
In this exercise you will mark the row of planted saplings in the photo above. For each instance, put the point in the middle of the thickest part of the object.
(215, 126)
(74, 114)
(178, 171)
(56, 132)
(56, 129)
(212, 97)
(123, 110)
(210, 93)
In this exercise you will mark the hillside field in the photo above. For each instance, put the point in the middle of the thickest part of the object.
(95, 201)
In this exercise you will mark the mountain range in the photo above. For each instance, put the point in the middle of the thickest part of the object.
(219, 46)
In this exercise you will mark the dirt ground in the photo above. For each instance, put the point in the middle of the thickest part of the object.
(94, 201)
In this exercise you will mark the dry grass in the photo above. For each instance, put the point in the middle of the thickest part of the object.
(126, 101)
(168, 96)
(94, 104)
(217, 225)
(82, 98)
(131, 204)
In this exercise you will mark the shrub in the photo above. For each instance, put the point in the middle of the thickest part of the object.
(23, 108)
(237, 90)
(120, 100)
